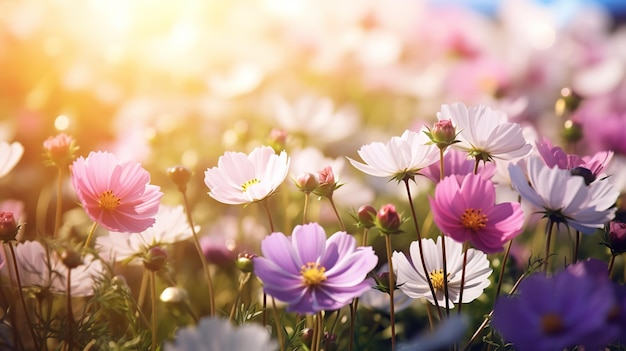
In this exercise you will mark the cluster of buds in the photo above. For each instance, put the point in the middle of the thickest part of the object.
(387, 219)
(324, 184)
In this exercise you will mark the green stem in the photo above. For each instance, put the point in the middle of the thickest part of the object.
(503, 266)
(420, 246)
(154, 310)
(279, 330)
(90, 235)
(205, 265)
(23, 301)
(243, 278)
(443, 243)
(549, 227)
(465, 247)
(58, 210)
(392, 286)
(611, 264)
(577, 246)
(332, 203)
(306, 208)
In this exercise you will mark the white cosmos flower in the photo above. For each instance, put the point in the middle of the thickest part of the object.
(215, 334)
(485, 133)
(412, 280)
(38, 268)
(10, 155)
(241, 179)
(563, 197)
(400, 158)
(170, 226)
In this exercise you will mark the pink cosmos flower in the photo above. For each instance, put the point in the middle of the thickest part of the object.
(555, 156)
(455, 162)
(464, 208)
(311, 273)
(117, 196)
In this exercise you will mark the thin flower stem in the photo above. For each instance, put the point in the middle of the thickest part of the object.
(429, 313)
(365, 232)
(142, 289)
(503, 266)
(392, 286)
(59, 207)
(443, 244)
(31, 327)
(488, 317)
(70, 311)
(306, 208)
(421, 249)
(243, 279)
(549, 227)
(154, 310)
(353, 307)
(317, 336)
(279, 330)
(266, 206)
(611, 264)
(16, 335)
(576, 246)
(90, 235)
(465, 247)
(205, 265)
(332, 203)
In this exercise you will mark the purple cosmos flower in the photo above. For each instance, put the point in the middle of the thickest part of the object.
(464, 208)
(549, 314)
(311, 273)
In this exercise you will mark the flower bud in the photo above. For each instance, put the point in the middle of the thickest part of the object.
(155, 258)
(307, 336)
(617, 237)
(572, 131)
(327, 183)
(245, 262)
(382, 282)
(180, 175)
(567, 103)
(366, 216)
(278, 140)
(306, 182)
(8, 226)
(329, 342)
(173, 295)
(59, 150)
(388, 220)
(71, 259)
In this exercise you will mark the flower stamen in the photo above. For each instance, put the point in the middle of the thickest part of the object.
(436, 278)
(312, 273)
(249, 183)
(551, 323)
(474, 219)
(108, 201)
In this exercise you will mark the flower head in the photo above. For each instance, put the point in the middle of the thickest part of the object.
(8, 226)
(400, 158)
(241, 179)
(617, 237)
(59, 150)
(549, 314)
(117, 196)
(170, 226)
(215, 334)
(311, 273)
(485, 134)
(563, 197)
(443, 133)
(10, 155)
(412, 280)
(455, 162)
(464, 208)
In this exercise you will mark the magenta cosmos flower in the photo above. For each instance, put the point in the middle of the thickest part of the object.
(117, 196)
(241, 179)
(464, 208)
(311, 273)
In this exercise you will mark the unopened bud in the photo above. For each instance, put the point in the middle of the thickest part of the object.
(71, 259)
(245, 262)
(174, 295)
(180, 175)
(617, 237)
(8, 226)
(572, 131)
(306, 182)
(388, 220)
(366, 215)
(327, 184)
(155, 258)
(278, 140)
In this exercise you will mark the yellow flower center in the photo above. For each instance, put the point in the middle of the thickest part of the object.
(436, 278)
(551, 323)
(246, 185)
(474, 219)
(312, 273)
(108, 200)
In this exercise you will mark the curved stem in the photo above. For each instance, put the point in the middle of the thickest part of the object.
(392, 286)
(306, 208)
(465, 246)
(266, 206)
(503, 266)
(90, 235)
(23, 301)
(205, 265)
(279, 330)
(353, 307)
(576, 246)
(243, 278)
(611, 264)
(421, 249)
